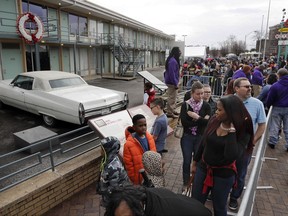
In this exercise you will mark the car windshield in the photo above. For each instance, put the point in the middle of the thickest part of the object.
(58, 83)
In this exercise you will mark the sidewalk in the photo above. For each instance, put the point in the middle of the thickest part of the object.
(268, 202)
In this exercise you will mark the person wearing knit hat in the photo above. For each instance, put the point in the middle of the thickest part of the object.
(153, 166)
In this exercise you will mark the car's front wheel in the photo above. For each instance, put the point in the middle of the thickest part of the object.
(49, 121)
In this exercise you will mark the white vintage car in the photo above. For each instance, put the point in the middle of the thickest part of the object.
(57, 95)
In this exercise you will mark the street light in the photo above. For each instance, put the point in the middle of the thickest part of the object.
(248, 35)
(184, 36)
(184, 39)
(265, 41)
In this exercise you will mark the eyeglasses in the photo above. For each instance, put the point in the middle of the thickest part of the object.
(246, 86)
(207, 92)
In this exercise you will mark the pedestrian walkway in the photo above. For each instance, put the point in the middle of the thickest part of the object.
(268, 202)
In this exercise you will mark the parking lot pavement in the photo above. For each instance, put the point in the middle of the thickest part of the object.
(13, 120)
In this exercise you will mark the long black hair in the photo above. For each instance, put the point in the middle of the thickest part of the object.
(175, 52)
(238, 115)
(134, 196)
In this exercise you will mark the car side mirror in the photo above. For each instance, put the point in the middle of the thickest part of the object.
(15, 84)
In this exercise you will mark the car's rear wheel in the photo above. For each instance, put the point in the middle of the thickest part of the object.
(49, 121)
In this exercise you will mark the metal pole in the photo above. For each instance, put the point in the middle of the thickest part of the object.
(265, 41)
(279, 43)
(37, 57)
(245, 43)
(74, 57)
(286, 52)
(279, 46)
(261, 34)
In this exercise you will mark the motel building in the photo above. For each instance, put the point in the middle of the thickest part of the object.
(76, 36)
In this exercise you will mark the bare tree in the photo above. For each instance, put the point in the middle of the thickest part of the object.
(214, 52)
(224, 48)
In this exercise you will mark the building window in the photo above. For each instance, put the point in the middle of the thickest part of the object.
(78, 25)
(40, 11)
(83, 31)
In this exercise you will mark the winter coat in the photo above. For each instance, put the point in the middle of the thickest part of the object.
(277, 95)
(257, 77)
(133, 152)
(151, 96)
(172, 75)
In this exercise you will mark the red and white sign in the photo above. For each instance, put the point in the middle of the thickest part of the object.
(30, 36)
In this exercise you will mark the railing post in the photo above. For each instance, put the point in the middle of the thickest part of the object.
(51, 155)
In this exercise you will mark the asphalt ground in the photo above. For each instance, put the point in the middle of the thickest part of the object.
(13, 120)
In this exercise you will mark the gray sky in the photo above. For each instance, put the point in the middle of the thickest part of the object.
(205, 22)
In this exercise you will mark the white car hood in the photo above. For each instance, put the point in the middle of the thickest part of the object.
(90, 96)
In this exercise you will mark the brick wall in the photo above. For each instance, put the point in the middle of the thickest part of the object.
(43, 192)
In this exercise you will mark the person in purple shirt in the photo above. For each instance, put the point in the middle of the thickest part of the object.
(278, 98)
(244, 72)
(171, 77)
(257, 80)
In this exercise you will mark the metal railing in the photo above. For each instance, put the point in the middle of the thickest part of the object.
(84, 140)
(216, 83)
(247, 203)
(18, 166)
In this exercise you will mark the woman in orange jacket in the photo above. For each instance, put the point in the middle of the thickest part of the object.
(138, 141)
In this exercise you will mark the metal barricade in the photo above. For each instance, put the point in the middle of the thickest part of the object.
(247, 203)
(216, 83)
(18, 166)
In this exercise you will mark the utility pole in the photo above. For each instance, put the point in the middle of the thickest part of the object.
(261, 32)
(265, 41)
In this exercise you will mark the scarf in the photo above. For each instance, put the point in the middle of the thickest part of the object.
(196, 106)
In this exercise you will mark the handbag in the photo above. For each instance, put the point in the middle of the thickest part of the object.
(179, 129)
(188, 191)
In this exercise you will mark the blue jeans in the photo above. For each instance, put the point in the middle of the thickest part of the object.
(219, 191)
(242, 166)
(189, 145)
(279, 116)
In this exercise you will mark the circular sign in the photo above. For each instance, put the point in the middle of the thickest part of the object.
(28, 35)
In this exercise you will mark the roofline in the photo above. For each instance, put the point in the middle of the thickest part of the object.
(112, 15)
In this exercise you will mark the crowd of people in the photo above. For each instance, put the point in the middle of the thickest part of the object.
(217, 142)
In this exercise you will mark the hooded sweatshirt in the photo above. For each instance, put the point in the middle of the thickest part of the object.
(113, 172)
(257, 77)
(133, 152)
(172, 75)
(277, 95)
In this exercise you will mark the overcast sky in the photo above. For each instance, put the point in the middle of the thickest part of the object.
(205, 22)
